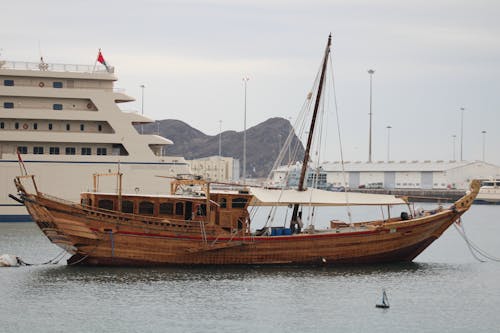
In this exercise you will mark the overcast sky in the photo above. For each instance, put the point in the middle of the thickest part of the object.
(431, 58)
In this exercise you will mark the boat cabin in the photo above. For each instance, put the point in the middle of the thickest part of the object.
(228, 210)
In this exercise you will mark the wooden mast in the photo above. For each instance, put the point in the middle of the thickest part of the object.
(305, 162)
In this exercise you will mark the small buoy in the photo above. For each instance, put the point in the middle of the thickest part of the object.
(9, 260)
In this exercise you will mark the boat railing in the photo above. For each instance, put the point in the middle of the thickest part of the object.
(42, 66)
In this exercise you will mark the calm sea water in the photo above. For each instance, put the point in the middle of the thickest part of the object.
(444, 290)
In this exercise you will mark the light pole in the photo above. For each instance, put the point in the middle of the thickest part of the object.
(245, 81)
(220, 138)
(462, 134)
(371, 72)
(142, 105)
(388, 143)
(454, 145)
(484, 144)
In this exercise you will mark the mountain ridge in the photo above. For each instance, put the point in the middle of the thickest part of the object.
(264, 142)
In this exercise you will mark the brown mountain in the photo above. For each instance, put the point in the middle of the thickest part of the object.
(263, 143)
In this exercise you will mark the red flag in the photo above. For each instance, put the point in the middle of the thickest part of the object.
(100, 58)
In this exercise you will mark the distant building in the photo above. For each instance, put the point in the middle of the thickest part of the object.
(408, 175)
(216, 168)
(289, 177)
(402, 174)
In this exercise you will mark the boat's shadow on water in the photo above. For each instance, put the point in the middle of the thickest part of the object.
(192, 273)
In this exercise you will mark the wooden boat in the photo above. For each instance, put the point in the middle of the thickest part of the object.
(198, 225)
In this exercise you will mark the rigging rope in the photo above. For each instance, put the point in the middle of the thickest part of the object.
(473, 248)
(349, 213)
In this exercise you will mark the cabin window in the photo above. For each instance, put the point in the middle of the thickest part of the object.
(82, 127)
(50, 126)
(68, 127)
(57, 84)
(146, 208)
(35, 126)
(106, 204)
(2, 125)
(166, 208)
(54, 150)
(128, 206)
(86, 151)
(239, 203)
(57, 107)
(99, 128)
(70, 151)
(102, 151)
(223, 203)
(202, 210)
(179, 208)
(38, 150)
(8, 83)
(22, 149)
(16, 125)
(8, 105)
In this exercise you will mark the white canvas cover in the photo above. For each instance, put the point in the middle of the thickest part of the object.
(315, 197)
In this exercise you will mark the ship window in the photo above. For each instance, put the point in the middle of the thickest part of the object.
(223, 203)
(22, 149)
(82, 127)
(179, 208)
(70, 151)
(2, 125)
(57, 107)
(99, 128)
(146, 208)
(50, 126)
(57, 84)
(102, 151)
(166, 208)
(68, 127)
(54, 150)
(38, 150)
(128, 206)
(202, 210)
(86, 151)
(106, 204)
(35, 126)
(239, 203)
(16, 125)
(8, 83)
(8, 105)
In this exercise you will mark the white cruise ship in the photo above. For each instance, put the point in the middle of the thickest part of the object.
(65, 122)
(489, 193)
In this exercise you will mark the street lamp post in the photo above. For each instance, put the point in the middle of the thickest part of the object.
(454, 145)
(484, 144)
(142, 105)
(245, 81)
(462, 134)
(220, 138)
(371, 72)
(389, 142)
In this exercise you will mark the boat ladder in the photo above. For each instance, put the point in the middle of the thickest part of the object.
(203, 232)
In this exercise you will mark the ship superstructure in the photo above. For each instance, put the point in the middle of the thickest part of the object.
(65, 122)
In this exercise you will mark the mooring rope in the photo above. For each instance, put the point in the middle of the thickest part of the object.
(53, 261)
(475, 250)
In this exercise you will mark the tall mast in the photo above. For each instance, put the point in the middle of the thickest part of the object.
(313, 123)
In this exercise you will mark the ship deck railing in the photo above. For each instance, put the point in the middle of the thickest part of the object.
(42, 66)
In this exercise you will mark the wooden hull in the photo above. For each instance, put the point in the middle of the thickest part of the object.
(106, 239)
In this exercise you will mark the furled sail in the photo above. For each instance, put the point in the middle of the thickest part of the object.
(316, 197)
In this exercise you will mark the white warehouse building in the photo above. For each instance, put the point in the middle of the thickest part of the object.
(409, 175)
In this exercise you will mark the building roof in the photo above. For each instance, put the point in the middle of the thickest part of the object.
(401, 166)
